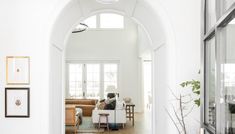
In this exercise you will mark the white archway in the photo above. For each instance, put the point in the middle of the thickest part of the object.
(153, 22)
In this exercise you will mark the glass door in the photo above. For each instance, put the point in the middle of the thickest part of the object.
(92, 80)
(110, 76)
(75, 80)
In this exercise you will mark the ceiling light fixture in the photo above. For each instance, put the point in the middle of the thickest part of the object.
(80, 28)
(107, 1)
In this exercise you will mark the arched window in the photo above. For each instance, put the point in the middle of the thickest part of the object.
(105, 21)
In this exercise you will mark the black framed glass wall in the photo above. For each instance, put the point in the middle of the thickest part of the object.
(218, 67)
(210, 83)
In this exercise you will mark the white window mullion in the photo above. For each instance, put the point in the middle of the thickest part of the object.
(84, 83)
(102, 81)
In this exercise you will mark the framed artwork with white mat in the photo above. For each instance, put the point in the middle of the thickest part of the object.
(18, 70)
(17, 102)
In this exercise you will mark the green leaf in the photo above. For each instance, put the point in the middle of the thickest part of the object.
(182, 84)
(197, 102)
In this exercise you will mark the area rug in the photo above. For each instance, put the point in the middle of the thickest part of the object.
(88, 127)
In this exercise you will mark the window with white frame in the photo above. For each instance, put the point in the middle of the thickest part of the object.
(105, 21)
(91, 22)
(110, 20)
(75, 80)
(91, 79)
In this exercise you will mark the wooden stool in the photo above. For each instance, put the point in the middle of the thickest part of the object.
(105, 115)
(130, 112)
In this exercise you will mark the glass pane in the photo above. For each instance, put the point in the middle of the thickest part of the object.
(93, 80)
(226, 4)
(110, 20)
(210, 14)
(227, 93)
(210, 83)
(75, 80)
(91, 22)
(110, 76)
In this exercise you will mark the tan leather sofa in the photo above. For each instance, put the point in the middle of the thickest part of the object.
(70, 116)
(87, 105)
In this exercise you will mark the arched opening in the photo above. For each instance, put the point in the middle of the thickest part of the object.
(157, 33)
(109, 54)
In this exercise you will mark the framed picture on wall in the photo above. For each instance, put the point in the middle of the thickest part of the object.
(17, 102)
(18, 70)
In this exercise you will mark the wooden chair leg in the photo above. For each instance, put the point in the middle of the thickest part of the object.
(107, 122)
(99, 124)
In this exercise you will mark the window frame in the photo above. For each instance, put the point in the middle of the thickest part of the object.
(98, 21)
(221, 21)
(85, 62)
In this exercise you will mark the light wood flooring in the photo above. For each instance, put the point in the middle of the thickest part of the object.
(142, 125)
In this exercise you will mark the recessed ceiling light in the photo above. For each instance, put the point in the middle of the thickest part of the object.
(107, 1)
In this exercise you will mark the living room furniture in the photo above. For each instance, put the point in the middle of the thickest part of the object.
(120, 116)
(231, 106)
(106, 123)
(130, 112)
(79, 114)
(71, 118)
(87, 105)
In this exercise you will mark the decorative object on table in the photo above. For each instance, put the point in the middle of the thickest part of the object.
(127, 100)
(17, 102)
(18, 70)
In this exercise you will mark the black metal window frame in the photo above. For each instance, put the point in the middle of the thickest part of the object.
(206, 36)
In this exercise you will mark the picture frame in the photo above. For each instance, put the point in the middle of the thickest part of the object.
(17, 102)
(18, 70)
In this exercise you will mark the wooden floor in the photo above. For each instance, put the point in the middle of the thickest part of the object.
(142, 125)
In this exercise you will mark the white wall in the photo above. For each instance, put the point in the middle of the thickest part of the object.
(24, 33)
(56, 80)
(179, 57)
(184, 18)
(112, 44)
(144, 44)
(26, 27)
